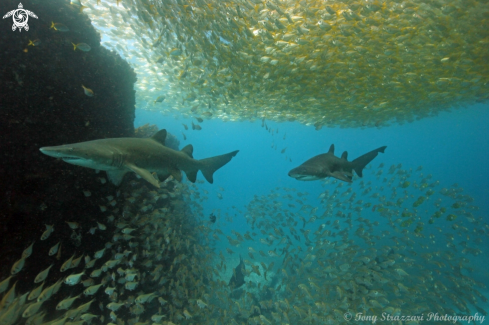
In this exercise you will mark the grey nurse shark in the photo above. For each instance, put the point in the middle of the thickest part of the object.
(117, 156)
(328, 165)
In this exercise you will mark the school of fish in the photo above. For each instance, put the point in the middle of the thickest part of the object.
(347, 63)
(396, 243)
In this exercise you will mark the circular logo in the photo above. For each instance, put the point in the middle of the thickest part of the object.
(347, 316)
(20, 17)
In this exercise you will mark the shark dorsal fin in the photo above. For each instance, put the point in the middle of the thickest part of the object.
(189, 150)
(331, 149)
(344, 155)
(160, 136)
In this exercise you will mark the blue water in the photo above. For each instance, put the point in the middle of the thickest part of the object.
(453, 147)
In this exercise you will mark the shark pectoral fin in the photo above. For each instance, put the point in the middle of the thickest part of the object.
(341, 176)
(176, 173)
(192, 176)
(146, 175)
(116, 176)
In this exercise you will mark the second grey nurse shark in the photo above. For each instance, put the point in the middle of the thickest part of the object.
(328, 165)
(117, 156)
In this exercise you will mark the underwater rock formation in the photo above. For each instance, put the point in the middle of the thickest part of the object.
(43, 103)
(147, 130)
(66, 229)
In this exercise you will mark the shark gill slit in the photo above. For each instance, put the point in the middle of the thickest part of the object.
(117, 160)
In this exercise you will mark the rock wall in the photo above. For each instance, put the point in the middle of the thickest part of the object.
(42, 103)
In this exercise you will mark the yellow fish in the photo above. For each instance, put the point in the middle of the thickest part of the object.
(34, 43)
(87, 91)
(82, 47)
(59, 27)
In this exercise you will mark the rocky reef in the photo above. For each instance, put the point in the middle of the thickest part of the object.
(43, 103)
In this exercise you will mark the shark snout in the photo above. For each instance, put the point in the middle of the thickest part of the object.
(293, 174)
(48, 151)
(303, 174)
(296, 174)
(56, 152)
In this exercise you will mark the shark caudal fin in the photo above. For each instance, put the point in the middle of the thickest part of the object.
(210, 165)
(362, 161)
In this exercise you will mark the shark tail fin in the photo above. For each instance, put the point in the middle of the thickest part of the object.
(362, 161)
(210, 165)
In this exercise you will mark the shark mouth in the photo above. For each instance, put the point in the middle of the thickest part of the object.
(69, 158)
(304, 177)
